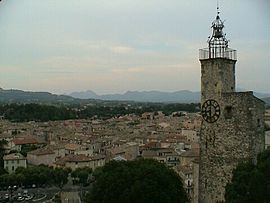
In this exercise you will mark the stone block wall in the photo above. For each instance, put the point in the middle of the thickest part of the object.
(237, 135)
(217, 76)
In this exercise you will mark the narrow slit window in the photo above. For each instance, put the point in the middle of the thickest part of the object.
(228, 112)
(258, 122)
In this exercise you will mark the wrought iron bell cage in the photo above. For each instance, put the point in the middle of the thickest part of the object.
(217, 43)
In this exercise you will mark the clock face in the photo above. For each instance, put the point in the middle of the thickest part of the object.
(210, 111)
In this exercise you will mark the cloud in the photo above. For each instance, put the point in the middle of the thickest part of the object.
(121, 49)
(98, 45)
(101, 44)
(10, 69)
(129, 70)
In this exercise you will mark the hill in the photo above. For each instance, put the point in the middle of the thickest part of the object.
(19, 96)
(87, 97)
(267, 101)
(183, 96)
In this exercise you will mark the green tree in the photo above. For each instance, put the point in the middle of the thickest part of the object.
(250, 182)
(27, 148)
(39, 175)
(35, 175)
(60, 177)
(3, 171)
(81, 175)
(24, 112)
(2, 152)
(137, 181)
(8, 180)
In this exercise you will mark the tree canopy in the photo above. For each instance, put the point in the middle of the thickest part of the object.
(2, 153)
(35, 175)
(141, 180)
(250, 182)
(81, 175)
(40, 112)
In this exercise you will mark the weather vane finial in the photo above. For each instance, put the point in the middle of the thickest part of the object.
(218, 8)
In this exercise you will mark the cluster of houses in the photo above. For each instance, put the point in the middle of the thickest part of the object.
(172, 140)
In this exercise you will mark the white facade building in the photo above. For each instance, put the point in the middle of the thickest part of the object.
(14, 161)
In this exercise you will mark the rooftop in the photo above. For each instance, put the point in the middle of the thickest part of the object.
(43, 151)
(14, 156)
(24, 140)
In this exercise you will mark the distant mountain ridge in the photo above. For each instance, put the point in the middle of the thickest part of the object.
(183, 96)
(267, 100)
(20, 96)
(84, 95)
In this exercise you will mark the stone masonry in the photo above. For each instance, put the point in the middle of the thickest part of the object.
(238, 132)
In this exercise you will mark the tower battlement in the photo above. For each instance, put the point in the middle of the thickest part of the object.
(227, 53)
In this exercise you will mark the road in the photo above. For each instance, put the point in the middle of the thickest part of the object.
(70, 197)
(69, 193)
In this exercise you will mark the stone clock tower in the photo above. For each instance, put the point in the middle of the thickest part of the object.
(233, 122)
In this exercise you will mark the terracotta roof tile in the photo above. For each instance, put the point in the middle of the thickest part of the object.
(72, 146)
(42, 151)
(24, 140)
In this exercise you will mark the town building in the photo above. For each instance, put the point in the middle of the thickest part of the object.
(163, 155)
(14, 161)
(80, 161)
(46, 156)
(19, 142)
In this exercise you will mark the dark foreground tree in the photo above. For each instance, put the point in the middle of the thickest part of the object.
(137, 181)
(250, 182)
(2, 152)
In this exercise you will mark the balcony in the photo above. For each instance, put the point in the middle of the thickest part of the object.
(217, 52)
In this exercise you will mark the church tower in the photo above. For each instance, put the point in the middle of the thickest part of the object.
(233, 122)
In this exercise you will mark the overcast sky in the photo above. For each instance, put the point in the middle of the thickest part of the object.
(111, 46)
